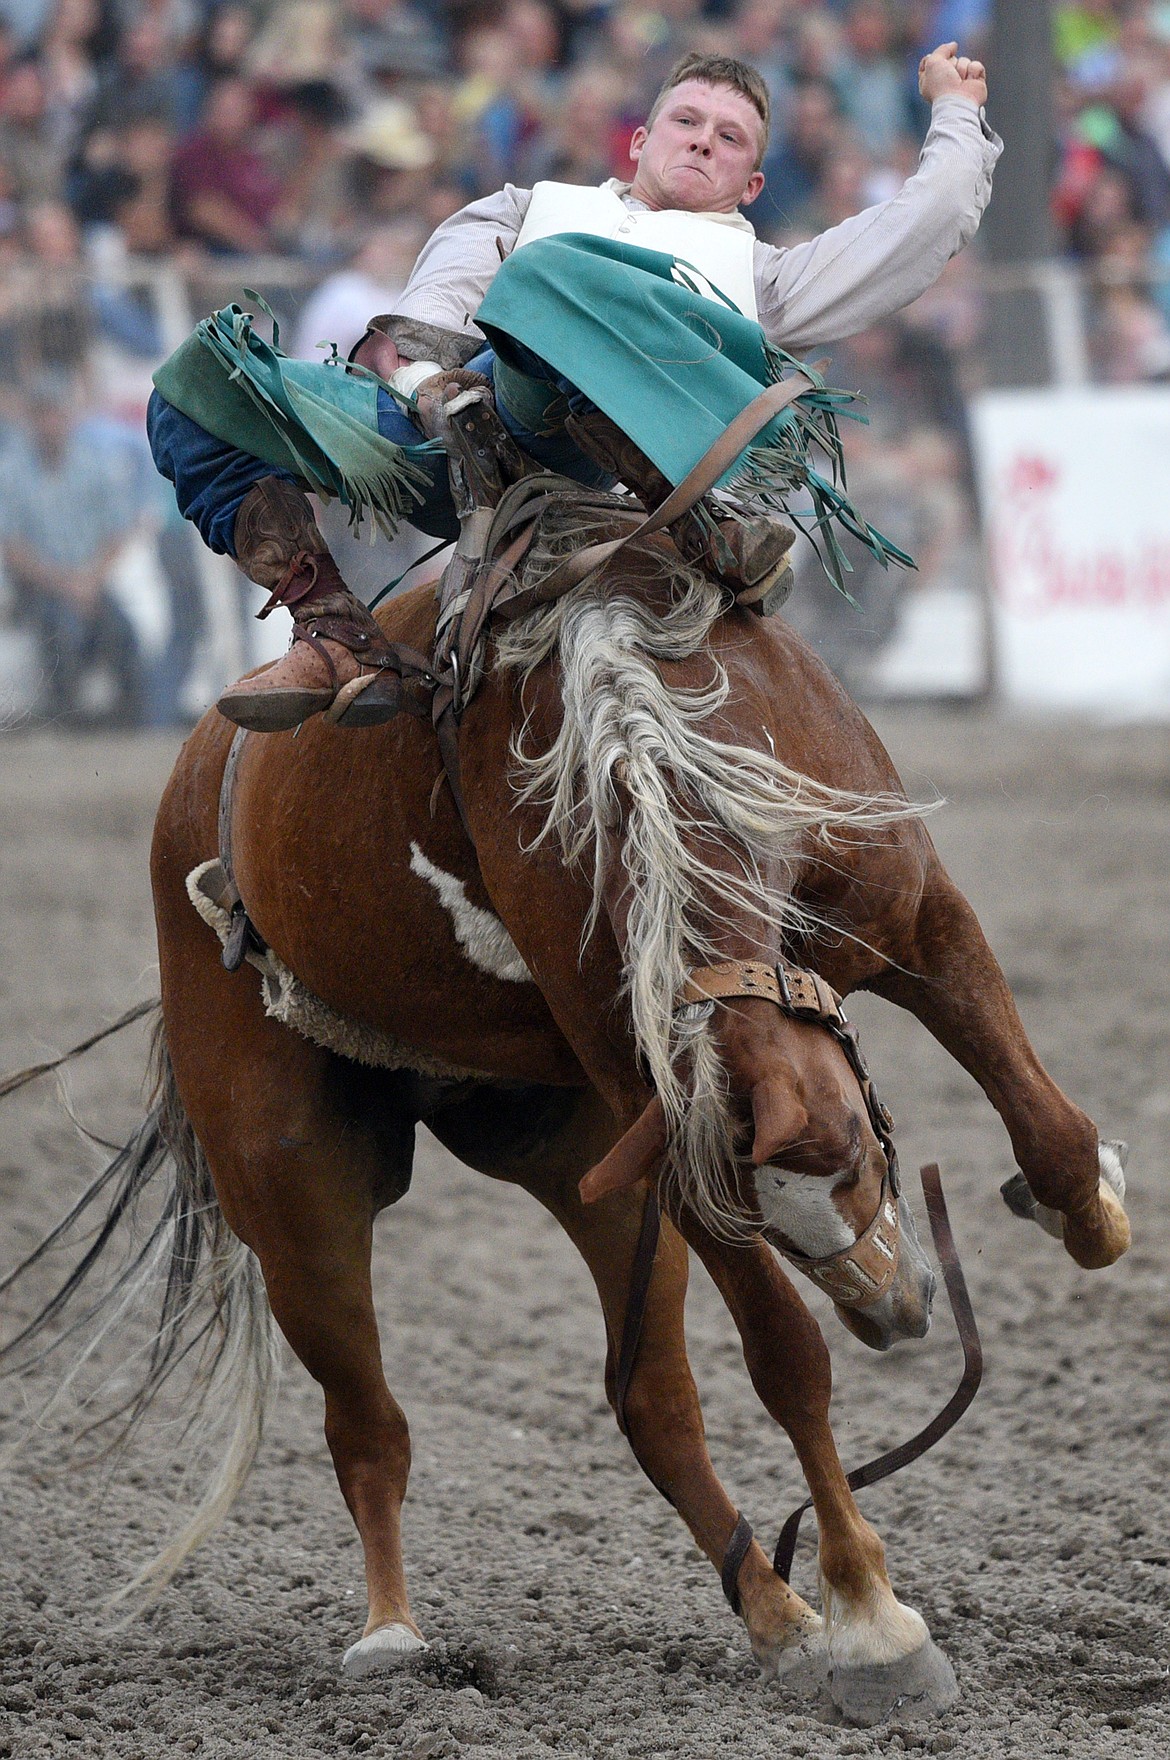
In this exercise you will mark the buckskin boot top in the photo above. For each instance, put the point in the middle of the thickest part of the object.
(748, 556)
(335, 639)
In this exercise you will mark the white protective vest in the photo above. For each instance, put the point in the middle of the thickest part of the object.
(720, 247)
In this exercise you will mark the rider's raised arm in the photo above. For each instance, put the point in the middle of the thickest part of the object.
(456, 266)
(878, 261)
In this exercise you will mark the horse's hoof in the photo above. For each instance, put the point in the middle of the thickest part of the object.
(796, 1656)
(1104, 1235)
(917, 1687)
(388, 1647)
(1019, 1197)
(802, 1668)
(1095, 1238)
(1101, 1238)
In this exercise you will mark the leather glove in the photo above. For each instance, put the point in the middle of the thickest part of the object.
(439, 389)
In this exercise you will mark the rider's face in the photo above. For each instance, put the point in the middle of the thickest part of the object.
(700, 151)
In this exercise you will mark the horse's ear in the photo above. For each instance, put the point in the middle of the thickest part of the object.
(631, 1158)
(778, 1116)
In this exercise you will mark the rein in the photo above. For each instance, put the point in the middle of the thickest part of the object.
(854, 1277)
(948, 1417)
(905, 1452)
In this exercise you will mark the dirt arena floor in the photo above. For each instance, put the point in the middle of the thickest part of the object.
(568, 1611)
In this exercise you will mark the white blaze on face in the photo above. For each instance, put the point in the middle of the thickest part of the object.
(800, 1206)
(481, 935)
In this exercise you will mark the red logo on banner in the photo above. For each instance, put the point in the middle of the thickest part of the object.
(1038, 569)
(1030, 475)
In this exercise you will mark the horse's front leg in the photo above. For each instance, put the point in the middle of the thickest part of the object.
(664, 1423)
(952, 981)
(879, 1652)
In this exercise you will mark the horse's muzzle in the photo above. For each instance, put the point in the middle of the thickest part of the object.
(903, 1311)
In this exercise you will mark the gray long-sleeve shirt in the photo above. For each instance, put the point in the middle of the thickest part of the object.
(849, 277)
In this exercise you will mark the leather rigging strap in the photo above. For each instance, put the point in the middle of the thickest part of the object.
(243, 935)
(703, 476)
(906, 1452)
(488, 588)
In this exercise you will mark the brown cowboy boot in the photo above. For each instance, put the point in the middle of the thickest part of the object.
(335, 639)
(751, 557)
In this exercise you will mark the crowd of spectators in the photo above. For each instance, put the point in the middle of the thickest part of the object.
(335, 134)
(287, 125)
(1111, 188)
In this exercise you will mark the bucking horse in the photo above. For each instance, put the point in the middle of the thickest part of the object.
(592, 938)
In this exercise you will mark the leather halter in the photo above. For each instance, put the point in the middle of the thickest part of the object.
(858, 1275)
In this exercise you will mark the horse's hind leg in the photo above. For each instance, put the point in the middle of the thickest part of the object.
(304, 1149)
(952, 981)
(315, 1255)
(880, 1654)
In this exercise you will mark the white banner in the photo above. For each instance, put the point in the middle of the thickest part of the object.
(1075, 487)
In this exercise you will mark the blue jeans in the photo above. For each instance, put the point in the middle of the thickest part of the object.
(211, 477)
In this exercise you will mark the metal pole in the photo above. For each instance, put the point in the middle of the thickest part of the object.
(1017, 228)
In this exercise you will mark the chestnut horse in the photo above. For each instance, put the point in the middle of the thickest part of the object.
(653, 783)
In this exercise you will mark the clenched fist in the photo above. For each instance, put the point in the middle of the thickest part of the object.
(944, 73)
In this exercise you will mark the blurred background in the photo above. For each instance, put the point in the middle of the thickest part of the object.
(159, 156)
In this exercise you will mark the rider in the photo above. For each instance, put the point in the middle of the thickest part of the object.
(697, 161)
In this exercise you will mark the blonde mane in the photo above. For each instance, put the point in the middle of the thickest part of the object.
(636, 752)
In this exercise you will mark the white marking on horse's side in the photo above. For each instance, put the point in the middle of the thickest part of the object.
(800, 1206)
(388, 1647)
(481, 935)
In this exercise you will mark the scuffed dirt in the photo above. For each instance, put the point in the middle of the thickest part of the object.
(568, 1610)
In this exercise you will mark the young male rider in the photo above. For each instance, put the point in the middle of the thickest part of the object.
(697, 161)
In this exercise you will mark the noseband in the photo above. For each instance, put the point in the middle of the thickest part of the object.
(858, 1275)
